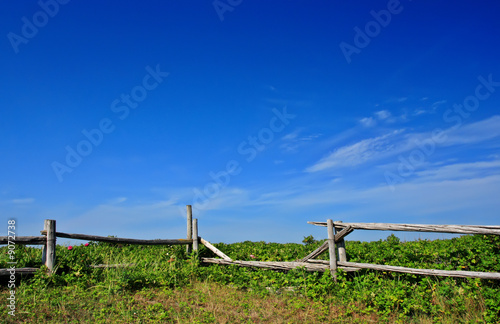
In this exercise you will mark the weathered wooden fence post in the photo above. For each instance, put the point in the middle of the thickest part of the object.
(342, 254)
(189, 226)
(50, 250)
(195, 235)
(331, 249)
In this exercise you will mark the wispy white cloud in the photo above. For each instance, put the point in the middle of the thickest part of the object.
(368, 121)
(357, 153)
(291, 136)
(419, 111)
(474, 132)
(440, 196)
(429, 110)
(442, 192)
(291, 142)
(435, 105)
(382, 114)
(400, 141)
(460, 171)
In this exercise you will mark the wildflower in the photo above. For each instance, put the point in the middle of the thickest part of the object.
(252, 256)
(87, 244)
(70, 247)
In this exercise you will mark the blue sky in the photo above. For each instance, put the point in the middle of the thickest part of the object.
(262, 115)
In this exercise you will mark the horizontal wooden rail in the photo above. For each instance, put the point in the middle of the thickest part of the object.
(458, 229)
(113, 265)
(25, 240)
(121, 240)
(444, 273)
(276, 265)
(6, 272)
(429, 272)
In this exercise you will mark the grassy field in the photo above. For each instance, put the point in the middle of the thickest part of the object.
(165, 285)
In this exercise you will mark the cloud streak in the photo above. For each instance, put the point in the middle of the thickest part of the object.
(357, 153)
(477, 132)
(400, 141)
(292, 142)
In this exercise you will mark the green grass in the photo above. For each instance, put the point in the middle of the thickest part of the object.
(166, 285)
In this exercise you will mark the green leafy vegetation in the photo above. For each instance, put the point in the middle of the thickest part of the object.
(163, 284)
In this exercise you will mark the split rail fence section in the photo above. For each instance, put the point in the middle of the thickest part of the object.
(337, 254)
(347, 228)
(49, 235)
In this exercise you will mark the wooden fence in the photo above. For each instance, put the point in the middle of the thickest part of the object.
(349, 227)
(49, 235)
(335, 245)
(337, 255)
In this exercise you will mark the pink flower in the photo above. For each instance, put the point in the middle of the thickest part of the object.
(86, 244)
(70, 247)
(252, 256)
